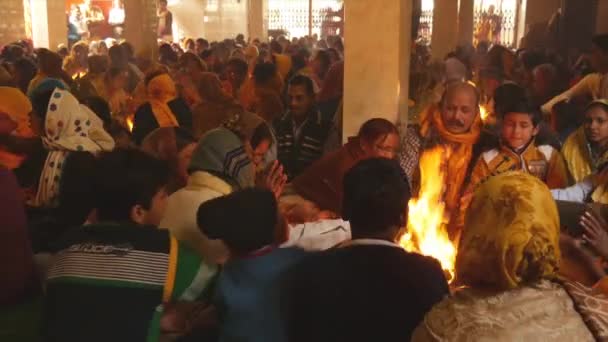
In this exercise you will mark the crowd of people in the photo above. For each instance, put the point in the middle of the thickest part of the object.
(206, 195)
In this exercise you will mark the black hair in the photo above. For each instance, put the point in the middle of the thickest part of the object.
(299, 59)
(125, 178)
(507, 94)
(305, 81)
(76, 191)
(524, 107)
(245, 220)
(167, 54)
(183, 138)
(601, 41)
(325, 60)
(375, 128)
(376, 195)
(202, 41)
(597, 104)
(27, 69)
(115, 71)
(117, 55)
(206, 54)
(239, 65)
(188, 57)
(40, 103)
(98, 64)
(275, 47)
(128, 49)
(261, 133)
(531, 59)
(101, 108)
(264, 72)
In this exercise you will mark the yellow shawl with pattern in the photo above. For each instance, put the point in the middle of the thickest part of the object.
(511, 234)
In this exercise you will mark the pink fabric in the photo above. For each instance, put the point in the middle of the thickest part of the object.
(16, 258)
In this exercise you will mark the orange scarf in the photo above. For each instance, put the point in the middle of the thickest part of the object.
(161, 89)
(458, 151)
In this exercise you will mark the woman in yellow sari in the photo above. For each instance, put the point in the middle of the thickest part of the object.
(508, 261)
(587, 149)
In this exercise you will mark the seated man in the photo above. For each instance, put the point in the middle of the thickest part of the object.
(321, 183)
(110, 279)
(247, 292)
(367, 289)
(302, 132)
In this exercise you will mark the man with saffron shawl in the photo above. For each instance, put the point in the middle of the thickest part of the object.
(454, 125)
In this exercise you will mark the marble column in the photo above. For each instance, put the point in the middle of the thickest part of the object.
(465, 22)
(140, 25)
(376, 71)
(49, 23)
(445, 28)
(257, 20)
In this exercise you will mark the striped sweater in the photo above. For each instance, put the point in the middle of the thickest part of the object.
(298, 150)
(108, 283)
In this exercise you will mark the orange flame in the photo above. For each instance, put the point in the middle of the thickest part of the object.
(129, 121)
(426, 229)
(484, 112)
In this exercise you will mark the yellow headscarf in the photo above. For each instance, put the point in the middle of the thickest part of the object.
(511, 235)
(576, 154)
(17, 106)
(460, 155)
(161, 89)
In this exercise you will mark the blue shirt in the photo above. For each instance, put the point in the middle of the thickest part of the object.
(248, 295)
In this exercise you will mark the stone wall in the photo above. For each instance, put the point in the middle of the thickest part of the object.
(12, 24)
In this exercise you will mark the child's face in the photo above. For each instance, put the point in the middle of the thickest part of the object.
(518, 129)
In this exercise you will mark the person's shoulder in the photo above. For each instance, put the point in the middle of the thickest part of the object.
(546, 151)
(144, 110)
(488, 140)
(490, 155)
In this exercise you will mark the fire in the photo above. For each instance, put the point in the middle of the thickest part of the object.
(484, 112)
(129, 121)
(426, 229)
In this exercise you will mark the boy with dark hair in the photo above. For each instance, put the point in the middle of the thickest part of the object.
(110, 279)
(247, 296)
(369, 288)
(302, 132)
(518, 151)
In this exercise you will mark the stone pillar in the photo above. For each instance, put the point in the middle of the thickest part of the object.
(577, 25)
(140, 25)
(465, 22)
(49, 23)
(376, 70)
(257, 20)
(601, 24)
(12, 27)
(445, 28)
(540, 11)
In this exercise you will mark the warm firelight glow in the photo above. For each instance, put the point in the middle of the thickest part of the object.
(129, 121)
(484, 112)
(426, 230)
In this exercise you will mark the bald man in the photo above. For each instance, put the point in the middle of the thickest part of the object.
(454, 125)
